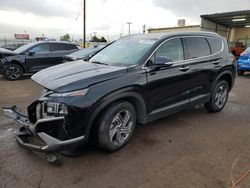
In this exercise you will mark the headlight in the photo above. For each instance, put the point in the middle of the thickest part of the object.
(82, 92)
(52, 108)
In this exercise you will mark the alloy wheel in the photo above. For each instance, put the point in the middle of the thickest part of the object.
(221, 96)
(120, 128)
(13, 72)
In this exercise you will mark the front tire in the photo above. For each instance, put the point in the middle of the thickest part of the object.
(13, 72)
(219, 97)
(116, 126)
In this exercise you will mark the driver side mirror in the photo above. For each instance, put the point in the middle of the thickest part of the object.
(159, 63)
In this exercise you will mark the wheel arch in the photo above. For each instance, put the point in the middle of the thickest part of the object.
(18, 63)
(227, 76)
(132, 97)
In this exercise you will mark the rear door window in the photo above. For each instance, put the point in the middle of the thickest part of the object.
(70, 47)
(57, 47)
(196, 47)
(215, 45)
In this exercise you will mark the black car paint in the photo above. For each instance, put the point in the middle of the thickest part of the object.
(155, 91)
(66, 77)
(163, 91)
(31, 63)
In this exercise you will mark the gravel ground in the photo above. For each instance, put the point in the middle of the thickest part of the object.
(192, 148)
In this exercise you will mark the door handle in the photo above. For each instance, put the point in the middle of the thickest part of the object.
(216, 62)
(183, 69)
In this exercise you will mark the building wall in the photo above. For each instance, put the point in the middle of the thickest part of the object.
(207, 25)
(243, 35)
(175, 29)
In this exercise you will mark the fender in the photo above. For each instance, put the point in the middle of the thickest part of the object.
(17, 59)
(226, 72)
(135, 98)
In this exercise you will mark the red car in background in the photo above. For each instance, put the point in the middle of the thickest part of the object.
(236, 48)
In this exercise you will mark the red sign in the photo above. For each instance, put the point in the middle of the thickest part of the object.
(22, 36)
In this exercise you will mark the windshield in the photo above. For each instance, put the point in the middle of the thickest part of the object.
(124, 52)
(23, 48)
(85, 52)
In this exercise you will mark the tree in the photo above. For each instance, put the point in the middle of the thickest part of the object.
(96, 39)
(103, 39)
(65, 37)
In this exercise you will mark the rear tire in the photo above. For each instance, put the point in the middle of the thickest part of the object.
(219, 97)
(116, 126)
(13, 72)
(240, 72)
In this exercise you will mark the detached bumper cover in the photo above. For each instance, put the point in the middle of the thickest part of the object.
(43, 142)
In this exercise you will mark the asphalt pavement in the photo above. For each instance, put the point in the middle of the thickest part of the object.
(190, 149)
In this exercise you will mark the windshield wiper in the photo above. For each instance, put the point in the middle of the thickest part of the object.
(100, 63)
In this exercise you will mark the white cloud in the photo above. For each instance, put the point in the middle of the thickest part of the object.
(57, 17)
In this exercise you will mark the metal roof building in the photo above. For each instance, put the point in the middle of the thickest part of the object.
(235, 26)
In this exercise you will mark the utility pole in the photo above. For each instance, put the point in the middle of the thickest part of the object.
(84, 24)
(107, 33)
(129, 23)
(144, 29)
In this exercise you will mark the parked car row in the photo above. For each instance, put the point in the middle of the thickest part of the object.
(33, 57)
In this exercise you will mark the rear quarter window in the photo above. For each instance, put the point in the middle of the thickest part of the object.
(196, 47)
(215, 45)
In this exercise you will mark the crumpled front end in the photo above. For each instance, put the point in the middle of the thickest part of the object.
(49, 126)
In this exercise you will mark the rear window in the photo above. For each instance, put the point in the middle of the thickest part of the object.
(196, 47)
(215, 45)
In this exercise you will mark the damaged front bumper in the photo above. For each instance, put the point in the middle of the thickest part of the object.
(45, 135)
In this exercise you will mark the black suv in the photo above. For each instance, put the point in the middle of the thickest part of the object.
(33, 57)
(135, 80)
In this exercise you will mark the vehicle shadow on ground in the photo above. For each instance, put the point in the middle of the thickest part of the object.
(246, 75)
(142, 132)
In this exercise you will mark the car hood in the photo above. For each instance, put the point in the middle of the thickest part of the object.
(5, 51)
(76, 75)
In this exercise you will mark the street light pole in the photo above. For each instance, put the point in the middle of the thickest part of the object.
(129, 23)
(84, 24)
